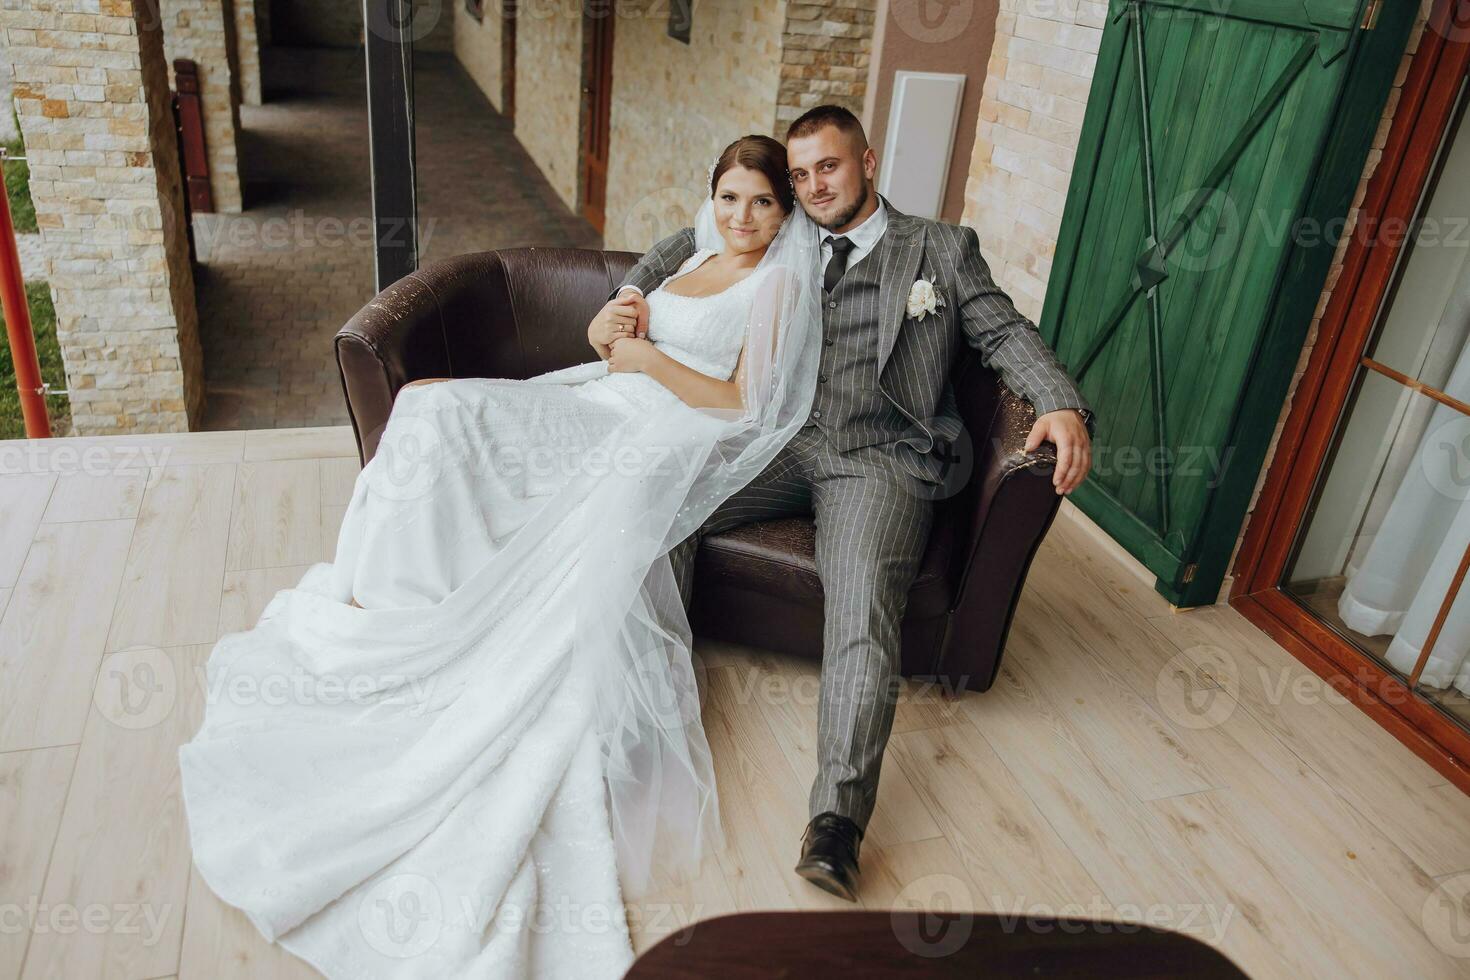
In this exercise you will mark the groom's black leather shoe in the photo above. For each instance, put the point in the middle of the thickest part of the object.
(829, 854)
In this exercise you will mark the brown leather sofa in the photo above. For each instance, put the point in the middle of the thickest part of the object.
(516, 313)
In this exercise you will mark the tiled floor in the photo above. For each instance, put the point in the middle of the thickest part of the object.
(277, 281)
(1131, 762)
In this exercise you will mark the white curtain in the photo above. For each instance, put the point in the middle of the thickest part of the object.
(1400, 576)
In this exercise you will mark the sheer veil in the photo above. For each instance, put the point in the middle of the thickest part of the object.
(633, 636)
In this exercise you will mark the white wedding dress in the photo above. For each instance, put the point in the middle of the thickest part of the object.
(413, 788)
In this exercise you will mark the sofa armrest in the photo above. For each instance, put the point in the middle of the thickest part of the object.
(397, 337)
(507, 313)
(418, 328)
(1003, 458)
(1012, 508)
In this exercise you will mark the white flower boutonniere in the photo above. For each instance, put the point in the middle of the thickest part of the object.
(924, 299)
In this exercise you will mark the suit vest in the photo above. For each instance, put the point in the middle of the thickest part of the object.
(848, 407)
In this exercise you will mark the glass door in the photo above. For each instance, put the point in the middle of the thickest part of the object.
(1356, 555)
(1382, 553)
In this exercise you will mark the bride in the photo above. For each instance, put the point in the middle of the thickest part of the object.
(451, 751)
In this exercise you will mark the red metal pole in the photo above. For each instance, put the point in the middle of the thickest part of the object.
(18, 328)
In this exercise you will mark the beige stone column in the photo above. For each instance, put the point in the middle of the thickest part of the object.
(91, 90)
(199, 30)
(1031, 113)
(825, 51)
(247, 48)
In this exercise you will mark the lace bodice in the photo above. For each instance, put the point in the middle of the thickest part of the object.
(704, 332)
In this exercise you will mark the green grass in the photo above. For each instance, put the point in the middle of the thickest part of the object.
(48, 352)
(18, 187)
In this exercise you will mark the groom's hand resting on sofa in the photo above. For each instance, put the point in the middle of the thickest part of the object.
(1065, 428)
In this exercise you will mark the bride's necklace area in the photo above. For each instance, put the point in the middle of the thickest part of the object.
(704, 266)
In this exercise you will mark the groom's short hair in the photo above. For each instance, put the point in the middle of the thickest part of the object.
(828, 115)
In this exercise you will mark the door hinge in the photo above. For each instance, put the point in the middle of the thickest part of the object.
(1189, 572)
(1370, 15)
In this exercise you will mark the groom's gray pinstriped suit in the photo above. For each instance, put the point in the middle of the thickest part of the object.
(883, 414)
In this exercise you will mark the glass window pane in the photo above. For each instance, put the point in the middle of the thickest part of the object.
(1389, 527)
(1428, 310)
(1445, 679)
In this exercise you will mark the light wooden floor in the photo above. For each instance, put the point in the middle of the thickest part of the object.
(1175, 768)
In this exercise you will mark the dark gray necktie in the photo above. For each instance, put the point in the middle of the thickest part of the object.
(837, 265)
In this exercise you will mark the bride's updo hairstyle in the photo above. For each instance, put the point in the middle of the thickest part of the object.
(760, 153)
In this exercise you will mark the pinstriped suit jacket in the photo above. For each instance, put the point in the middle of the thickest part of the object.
(916, 355)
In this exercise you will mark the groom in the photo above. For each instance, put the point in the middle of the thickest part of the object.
(871, 456)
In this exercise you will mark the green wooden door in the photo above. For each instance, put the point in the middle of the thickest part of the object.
(1205, 133)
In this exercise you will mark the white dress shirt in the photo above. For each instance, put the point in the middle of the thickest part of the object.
(864, 237)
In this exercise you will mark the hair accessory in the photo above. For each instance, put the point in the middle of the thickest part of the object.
(709, 177)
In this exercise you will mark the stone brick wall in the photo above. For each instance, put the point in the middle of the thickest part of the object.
(196, 29)
(825, 50)
(675, 106)
(1375, 156)
(8, 130)
(91, 89)
(477, 46)
(1031, 113)
(549, 90)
